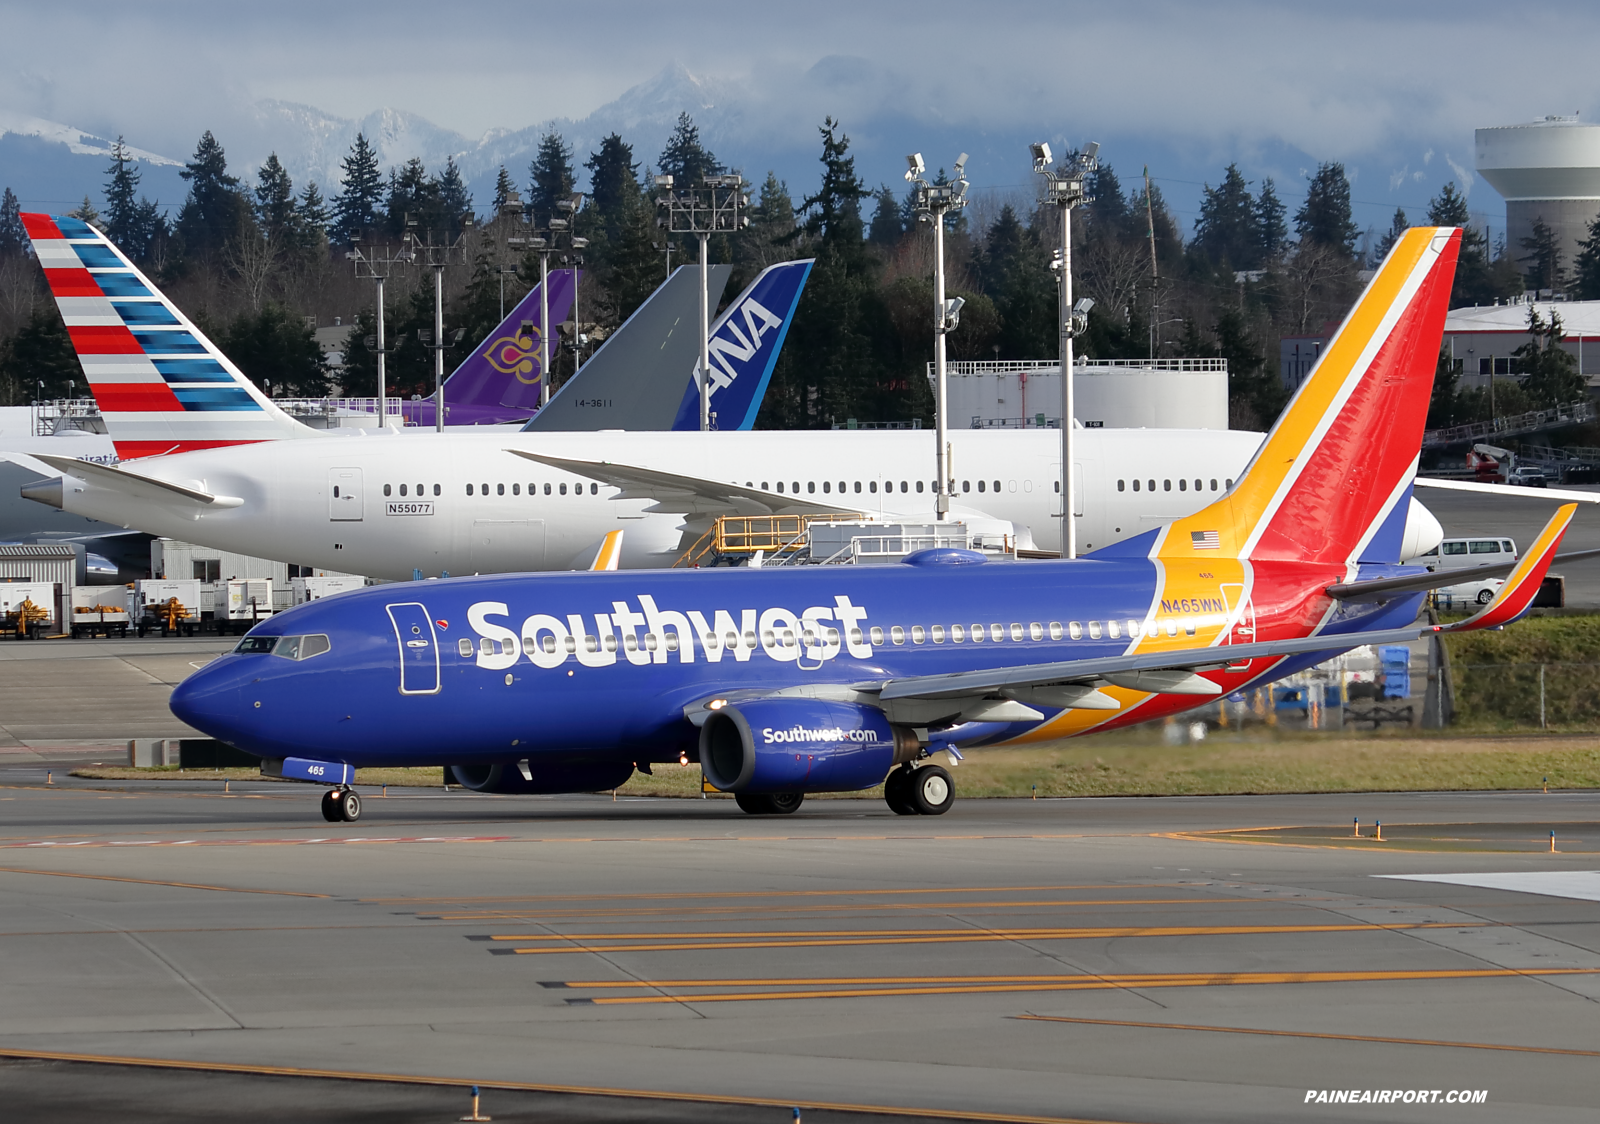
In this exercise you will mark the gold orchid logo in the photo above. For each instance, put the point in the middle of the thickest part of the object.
(516, 355)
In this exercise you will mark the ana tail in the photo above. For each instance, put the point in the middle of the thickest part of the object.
(161, 385)
(1332, 480)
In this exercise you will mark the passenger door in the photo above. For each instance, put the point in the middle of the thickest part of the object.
(344, 495)
(419, 648)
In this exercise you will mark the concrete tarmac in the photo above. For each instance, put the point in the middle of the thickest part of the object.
(1182, 959)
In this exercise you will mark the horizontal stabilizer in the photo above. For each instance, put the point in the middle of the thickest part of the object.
(1381, 589)
(134, 486)
(1515, 598)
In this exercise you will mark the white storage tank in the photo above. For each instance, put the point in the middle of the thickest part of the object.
(1548, 170)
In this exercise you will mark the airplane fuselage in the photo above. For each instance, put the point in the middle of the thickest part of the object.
(463, 504)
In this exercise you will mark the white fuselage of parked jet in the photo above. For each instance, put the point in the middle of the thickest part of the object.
(464, 504)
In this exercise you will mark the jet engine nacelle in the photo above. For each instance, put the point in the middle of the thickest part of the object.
(549, 776)
(801, 745)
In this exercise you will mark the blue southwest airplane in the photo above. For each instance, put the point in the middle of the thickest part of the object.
(782, 682)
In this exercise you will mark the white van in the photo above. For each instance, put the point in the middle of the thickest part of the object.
(1463, 554)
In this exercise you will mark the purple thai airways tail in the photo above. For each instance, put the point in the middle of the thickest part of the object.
(499, 382)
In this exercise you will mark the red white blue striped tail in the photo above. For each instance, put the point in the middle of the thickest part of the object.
(161, 385)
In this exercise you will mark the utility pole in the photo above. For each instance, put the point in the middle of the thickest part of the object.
(709, 207)
(439, 255)
(1155, 270)
(377, 265)
(932, 202)
(1064, 188)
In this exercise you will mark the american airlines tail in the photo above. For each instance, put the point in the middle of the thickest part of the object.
(1332, 481)
(162, 386)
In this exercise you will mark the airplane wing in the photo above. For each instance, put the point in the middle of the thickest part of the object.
(132, 484)
(1566, 495)
(689, 495)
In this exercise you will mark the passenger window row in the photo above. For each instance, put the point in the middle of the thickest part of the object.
(793, 487)
(516, 489)
(421, 490)
(1166, 485)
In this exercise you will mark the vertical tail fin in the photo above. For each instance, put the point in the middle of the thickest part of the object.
(745, 342)
(162, 386)
(1332, 480)
(504, 369)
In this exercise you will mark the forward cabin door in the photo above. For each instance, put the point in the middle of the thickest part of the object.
(344, 495)
(419, 648)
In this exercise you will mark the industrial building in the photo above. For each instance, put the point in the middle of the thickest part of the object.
(1107, 393)
(1545, 170)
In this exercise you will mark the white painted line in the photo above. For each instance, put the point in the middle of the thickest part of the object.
(1581, 884)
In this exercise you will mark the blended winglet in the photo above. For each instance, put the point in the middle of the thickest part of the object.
(1515, 598)
(610, 553)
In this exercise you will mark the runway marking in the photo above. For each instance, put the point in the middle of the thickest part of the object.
(524, 914)
(844, 937)
(89, 844)
(1348, 842)
(873, 989)
(158, 882)
(1315, 1034)
(538, 1087)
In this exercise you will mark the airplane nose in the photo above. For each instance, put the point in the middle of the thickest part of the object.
(209, 701)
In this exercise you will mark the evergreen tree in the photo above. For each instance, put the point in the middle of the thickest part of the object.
(13, 236)
(1251, 382)
(1014, 272)
(122, 204)
(634, 267)
(311, 214)
(1478, 280)
(1272, 232)
(86, 212)
(275, 209)
(1448, 208)
(685, 159)
(1549, 371)
(613, 178)
(886, 227)
(455, 202)
(41, 351)
(414, 199)
(1324, 218)
(1543, 258)
(1443, 409)
(1108, 211)
(355, 208)
(216, 212)
(1226, 229)
(1397, 226)
(835, 210)
(275, 346)
(1585, 267)
(503, 188)
(552, 177)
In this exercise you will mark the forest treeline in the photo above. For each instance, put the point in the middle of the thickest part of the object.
(259, 262)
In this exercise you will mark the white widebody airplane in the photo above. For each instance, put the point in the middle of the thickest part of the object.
(393, 504)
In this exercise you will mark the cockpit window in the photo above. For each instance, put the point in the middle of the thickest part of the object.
(288, 647)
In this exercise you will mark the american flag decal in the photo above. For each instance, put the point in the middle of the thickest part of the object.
(1205, 540)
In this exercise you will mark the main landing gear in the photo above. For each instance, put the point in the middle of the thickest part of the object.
(927, 791)
(341, 804)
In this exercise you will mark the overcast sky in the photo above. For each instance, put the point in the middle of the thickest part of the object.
(1390, 88)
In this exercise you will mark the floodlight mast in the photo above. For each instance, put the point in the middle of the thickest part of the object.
(439, 255)
(933, 202)
(1064, 188)
(713, 205)
(368, 263)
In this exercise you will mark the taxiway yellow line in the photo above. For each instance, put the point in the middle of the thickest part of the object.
(838, 938)
(531, 915)
(1086, 983)
(871, 891)
(1316, 1034)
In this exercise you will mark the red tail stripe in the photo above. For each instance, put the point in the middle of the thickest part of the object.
(41, 228)
(104, 340)
(133, 450)
(72, 283)
(136, 398)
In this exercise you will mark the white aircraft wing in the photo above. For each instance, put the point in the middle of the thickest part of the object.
(133, 485)
(690, 495)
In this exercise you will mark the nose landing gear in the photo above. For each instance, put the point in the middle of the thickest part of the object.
(341, 804)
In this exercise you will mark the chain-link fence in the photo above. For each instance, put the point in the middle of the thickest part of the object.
(1532, 695)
